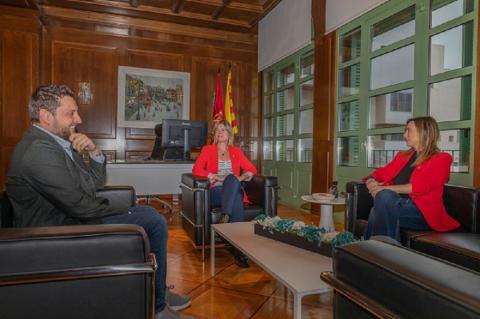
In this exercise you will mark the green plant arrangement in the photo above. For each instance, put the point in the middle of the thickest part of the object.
(310, 233)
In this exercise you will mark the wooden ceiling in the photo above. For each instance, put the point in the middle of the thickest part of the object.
(231, 15)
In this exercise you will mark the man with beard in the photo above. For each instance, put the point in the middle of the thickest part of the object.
(49, 184)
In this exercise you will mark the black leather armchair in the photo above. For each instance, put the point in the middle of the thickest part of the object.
(374, 279)
(262, 192)
(94, 271)
(461, 246)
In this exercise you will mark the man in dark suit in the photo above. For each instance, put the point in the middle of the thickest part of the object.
(49, 184)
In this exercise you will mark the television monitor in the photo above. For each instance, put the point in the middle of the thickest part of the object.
(161, 153)
(183, 135)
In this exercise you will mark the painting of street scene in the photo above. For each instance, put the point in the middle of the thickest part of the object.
(148, 96)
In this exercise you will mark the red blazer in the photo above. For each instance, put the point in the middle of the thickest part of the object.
(207, 162)
(427, 181)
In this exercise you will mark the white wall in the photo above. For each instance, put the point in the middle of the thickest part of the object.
(283, 31)
(340, 12)
(288, 27)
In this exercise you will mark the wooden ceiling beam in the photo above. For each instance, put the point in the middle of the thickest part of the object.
(255, 8)
(203, 13)
(32, 4)
(149, 12)
(55, 14)
(267, 7)
(135, 3)
(218, 12)
(177, 6)
(152, 13)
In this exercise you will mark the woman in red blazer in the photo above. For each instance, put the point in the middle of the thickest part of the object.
(226, 166)
(408, 191)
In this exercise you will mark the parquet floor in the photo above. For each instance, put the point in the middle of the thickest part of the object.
(235, 293)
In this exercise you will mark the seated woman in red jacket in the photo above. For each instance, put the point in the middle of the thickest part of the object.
(408, 191)
(222, 163)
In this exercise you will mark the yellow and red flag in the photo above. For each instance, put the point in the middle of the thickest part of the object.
(218, 107)
(229, 108)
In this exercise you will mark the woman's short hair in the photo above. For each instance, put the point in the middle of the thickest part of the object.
(429, 134)
(228, 127)
(47, 97)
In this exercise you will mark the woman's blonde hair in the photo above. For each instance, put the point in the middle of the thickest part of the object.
(428, 135)
(228, 127)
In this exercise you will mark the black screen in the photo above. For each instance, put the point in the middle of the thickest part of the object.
(173, 134)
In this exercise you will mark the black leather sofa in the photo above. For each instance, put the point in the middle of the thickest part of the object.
(94, 271)
(373, 279)
(461, 246)
(262, 191)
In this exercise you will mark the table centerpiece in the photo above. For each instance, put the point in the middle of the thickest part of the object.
(296, 233)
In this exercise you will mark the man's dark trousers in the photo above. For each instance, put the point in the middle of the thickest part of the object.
(157, 231)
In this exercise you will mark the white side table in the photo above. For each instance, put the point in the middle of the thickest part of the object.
(326, 210)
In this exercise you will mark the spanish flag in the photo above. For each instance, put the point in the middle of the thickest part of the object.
(229, 108)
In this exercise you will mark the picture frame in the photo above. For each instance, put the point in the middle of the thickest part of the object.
(147, 96)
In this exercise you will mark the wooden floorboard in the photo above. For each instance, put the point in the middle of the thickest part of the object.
(235, 293)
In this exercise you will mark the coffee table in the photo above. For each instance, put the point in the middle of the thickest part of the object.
(326, 210)
(297, 269)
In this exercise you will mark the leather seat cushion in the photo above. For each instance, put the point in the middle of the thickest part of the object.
(408, 235)
(119, 197)
(460, 248)
(252, 211)
(45, 248)
(359, 228)
(195, 181)
(410, 284)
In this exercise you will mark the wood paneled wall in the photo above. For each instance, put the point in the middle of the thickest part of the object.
(19, 61)
(74, 46)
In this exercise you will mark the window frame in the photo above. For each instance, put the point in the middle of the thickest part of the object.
(295, 59)
(420, 83)
(294, 176)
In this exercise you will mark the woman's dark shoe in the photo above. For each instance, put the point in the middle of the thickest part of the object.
(216, 214)
(224, 219)
(218, 217)
(240, 259)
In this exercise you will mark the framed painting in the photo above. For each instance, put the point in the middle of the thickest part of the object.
(147, 96)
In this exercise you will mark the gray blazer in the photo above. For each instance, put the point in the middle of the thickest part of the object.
(46, 187)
